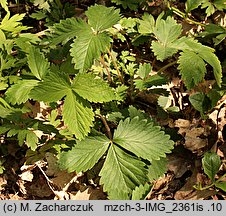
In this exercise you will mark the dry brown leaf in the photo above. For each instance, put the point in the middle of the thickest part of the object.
(81, 195)
(188, 192)
(52, 167)
(179, 163)
(39, 188)
(88, 193)
(26, 176)
(192, 133)
(192, 140)
(3, 183)
(62, 179)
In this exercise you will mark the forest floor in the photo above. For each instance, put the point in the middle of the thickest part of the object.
(44, 180)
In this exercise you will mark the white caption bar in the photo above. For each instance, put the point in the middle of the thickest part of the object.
(105, 207)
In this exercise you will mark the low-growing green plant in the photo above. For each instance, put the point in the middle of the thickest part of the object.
(211, 164)
(88, 87)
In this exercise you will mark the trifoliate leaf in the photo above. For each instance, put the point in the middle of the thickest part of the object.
(77, 115)
(192, 68)
(141, 192)
(19, 92)
(157, 169)
(87, 47)
(206, 53)
(211, 163)
(85, 154)
(53, 88)
(65, 30)
(166, 31)
(146, 24)
(94, 90)
(121, 173)
(101, 17)
(37, 63)
(143, 139)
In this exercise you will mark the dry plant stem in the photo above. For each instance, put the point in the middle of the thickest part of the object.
(116, 67)
(46, 177)
(74, 179)
(105, 66)
(106, 126)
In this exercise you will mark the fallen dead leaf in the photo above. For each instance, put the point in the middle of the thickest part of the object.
(188, 192)
(180, 162)
(62, 179)
(3, 183)
(196, 137)
(52, 167)
(26, 176)
(88, 193)
(39, 187)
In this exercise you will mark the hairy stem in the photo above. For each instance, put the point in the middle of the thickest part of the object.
(106, 126)
(108, 72)
(116, 67)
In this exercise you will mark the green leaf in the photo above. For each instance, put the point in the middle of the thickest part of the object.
(192, 4)
(206, 53)
(200, 102)
(221, 185)
(157, 169)
(37, 63)
(144, 70)
(65, 30)
(131, 4)
(101, 17)
(212, 59)
(94, 90)
(192, 68)
(85, 154)
(53, 88)
(141, 192)
(146, 24)
(162, 51)
(87, 47)
(220, 4)
(31, 140)
(143, 139)
(211, 163)
(121, 173)
(4, 5)
(134, 112)
(77, 115)
(19, 92)
(166, 31)
(13, 24)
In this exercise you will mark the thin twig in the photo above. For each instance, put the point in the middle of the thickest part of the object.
(116, 67)
(106, 126)
(108, 72)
